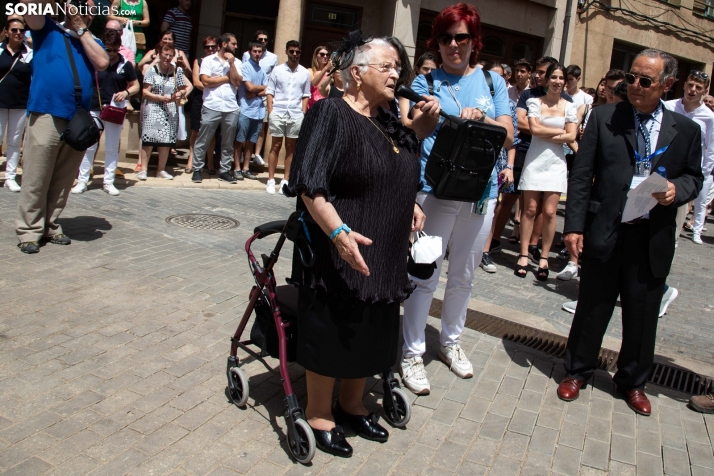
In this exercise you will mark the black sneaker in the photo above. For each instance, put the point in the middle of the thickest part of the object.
(487, 263)
(495, 246)
(196, 177)
(238, 175)
(534, 253)
(29, 247)
(226, 177)
(249, 175)
(564, 254)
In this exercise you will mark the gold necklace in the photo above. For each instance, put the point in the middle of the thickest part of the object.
(394, 147)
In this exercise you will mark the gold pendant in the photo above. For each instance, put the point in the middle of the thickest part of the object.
(395, 149)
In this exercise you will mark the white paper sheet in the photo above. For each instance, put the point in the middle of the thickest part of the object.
(640, 199)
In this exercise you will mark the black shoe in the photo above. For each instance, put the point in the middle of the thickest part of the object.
(249, 175)
(29, 247)
(196, 177)
(495, 246)
(238, 174)
(534, 253)
(226, 177)
(564, 254)
(58, 239)
(365, 426)
(333, 442)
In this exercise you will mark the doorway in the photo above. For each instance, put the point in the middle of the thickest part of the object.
(325, 25)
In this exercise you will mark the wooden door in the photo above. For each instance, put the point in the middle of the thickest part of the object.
(157, 10)
(325, 25)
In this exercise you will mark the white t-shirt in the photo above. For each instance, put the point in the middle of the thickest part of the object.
(219, 98)
(705, 118)
(580, 98)
(288, 88)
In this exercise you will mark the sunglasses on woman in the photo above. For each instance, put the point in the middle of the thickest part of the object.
(211, 47)
(112, 50)
(323, 54)
(461, 38)
(645, 82)
(17, 30)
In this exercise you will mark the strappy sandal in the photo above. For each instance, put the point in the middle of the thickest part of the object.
(542, 273)
(521, 269)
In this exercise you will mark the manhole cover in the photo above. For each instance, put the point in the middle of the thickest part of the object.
(203, 222)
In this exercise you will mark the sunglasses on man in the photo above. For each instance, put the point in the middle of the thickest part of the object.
(15, 31)
(461, 38)
(645, 82)
(699, 74)
(293, 52)
(211, 47)
(263, 40)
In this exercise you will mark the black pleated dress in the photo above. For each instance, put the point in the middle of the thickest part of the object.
(348, 323)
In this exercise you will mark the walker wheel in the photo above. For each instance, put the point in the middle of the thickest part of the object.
(401, 410)
(302, 444)
(237, 386)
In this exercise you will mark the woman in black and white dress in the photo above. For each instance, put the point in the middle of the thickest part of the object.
(164, 86)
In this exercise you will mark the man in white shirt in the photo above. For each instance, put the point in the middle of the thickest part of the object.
(221, 77)
(691, 106)
(580, 98)
(268, 61)
(522, 69)
(287, 92)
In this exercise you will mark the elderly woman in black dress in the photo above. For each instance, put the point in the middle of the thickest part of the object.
(356, 173)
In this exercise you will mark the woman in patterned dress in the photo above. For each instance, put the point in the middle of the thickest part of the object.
(164, 86)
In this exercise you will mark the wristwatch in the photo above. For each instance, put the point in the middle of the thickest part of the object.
(483, 115)
(80, 31)
(509, 167)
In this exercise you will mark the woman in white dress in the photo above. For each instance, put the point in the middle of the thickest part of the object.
(553, 122)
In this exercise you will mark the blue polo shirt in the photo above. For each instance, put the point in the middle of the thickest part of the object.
(253, 108)
(52, 88)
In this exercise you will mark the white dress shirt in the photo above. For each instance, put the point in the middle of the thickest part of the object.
(219, 98)
(268, 61)
(705, 118)
(513, 93)
(288, 89)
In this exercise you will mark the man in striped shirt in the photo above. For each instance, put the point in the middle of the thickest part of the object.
(178, 21)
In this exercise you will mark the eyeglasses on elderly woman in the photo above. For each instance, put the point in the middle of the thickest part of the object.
(385, 67)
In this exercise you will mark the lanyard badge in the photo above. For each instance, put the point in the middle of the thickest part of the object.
(643, 165)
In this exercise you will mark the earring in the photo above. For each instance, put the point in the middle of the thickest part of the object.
(359, 85)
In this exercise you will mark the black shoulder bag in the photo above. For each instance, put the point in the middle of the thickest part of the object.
(463, 156)
(83, 130)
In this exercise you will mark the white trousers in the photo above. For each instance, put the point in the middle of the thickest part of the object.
(112, 136)
(700, 205)
(13, 122)
(465, 233)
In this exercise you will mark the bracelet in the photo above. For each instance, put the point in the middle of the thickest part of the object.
(338, 230)
(509, 167)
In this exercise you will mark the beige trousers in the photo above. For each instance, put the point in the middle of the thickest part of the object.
(49, 167)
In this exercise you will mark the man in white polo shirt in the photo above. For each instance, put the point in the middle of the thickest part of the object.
(287, 92)
(221, 77)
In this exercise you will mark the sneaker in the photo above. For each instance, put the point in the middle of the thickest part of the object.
(455, 357)
(29, 247)
(110, 189)
(270, 188)
(258, 160)
(570, 306)
(495, 246)
(414, 375)
(81, 187)
(282, 184)
(196, 177)
(570, 271)
(670, 294)
(226, 177)
(58, 239)
(164, 175)
(534, 253)
(238, 175)
(564, 254)
(487, 263)
(249, 175)
(141, 175)
(11, 185)
(696, 238)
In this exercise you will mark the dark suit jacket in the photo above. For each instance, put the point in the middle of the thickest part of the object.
(602, 173)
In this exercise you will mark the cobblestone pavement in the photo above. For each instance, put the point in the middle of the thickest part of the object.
(112, 361)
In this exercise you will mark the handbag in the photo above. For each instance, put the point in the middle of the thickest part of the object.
(425, 249)
(128, 40)
(9, 70)
(140, 40)
(109, 113)
(180, 102)
(83, 130)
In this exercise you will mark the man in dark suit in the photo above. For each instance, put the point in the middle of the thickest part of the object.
(623, 143)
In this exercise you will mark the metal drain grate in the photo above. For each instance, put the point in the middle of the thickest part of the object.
(203, 222)
(680, 379)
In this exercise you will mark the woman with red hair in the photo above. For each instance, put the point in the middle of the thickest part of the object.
(460, 89)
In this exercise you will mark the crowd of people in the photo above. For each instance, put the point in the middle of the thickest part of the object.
(352, 146)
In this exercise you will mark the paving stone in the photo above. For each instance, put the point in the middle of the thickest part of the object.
(448, 458)
(596, 454)
(648, 442)
(514, 446)
(700, 455)
(649, 464)
(493, 427)
(505, 466)
(598, 429)
(673, 437)
(468, 468)
(30, 466)
(476, 409)
(503, 405)
(566, 461)
(550, 417)
(625, 425)
(537, 464)
(433, 434)
(416, 459)
(523, 422)
(676, 462)
(572, 435)
(483, 451)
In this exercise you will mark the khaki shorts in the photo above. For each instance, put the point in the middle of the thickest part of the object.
(284, 126)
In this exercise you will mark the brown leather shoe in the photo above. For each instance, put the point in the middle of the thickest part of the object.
(569, 389)
(702, 403)
(638, 402)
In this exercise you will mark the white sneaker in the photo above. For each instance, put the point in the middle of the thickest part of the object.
(141, 175)
(414, 375)
(455, 357)
(696, 237)
(110, 189)
(11, 185)
(570, 306)
(81, 187)
(258, 160)
(670, 294)
(570, 272)
(165, 175)
(282, 184)
(270, 188)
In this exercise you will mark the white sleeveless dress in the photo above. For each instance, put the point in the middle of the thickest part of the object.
(545, 169)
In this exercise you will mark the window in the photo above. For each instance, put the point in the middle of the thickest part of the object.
(522, 50)
(493, 46)
(704, 8)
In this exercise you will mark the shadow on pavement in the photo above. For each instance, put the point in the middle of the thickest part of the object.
(85, 228)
